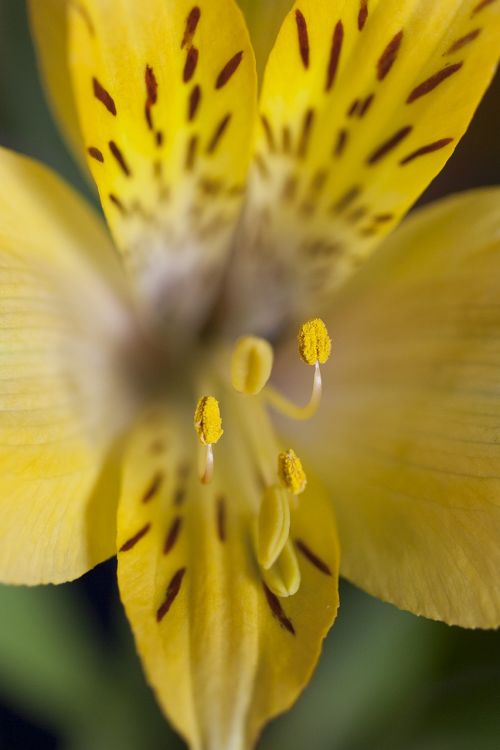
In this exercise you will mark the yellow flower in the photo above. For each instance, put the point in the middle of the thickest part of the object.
(235, 217)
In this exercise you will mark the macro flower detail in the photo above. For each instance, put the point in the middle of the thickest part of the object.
(241, 210)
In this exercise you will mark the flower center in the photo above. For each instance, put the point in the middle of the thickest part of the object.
(278, 476)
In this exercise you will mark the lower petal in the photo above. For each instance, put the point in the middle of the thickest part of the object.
(409, 432)
(223, 653)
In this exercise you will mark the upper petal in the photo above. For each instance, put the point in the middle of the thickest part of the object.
(50, 33)
(223, 653)
(408, 437)
(61, 321)
(362, 104)
(166, 94)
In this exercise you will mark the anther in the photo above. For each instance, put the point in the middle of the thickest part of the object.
(283, 578)
(291, 473)
(273, 525)
(208, 426)
(315, 345)
(251, 365)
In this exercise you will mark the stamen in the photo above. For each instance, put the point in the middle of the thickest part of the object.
(208, 426)
(315, 347)
(251, 365)
(291, 473)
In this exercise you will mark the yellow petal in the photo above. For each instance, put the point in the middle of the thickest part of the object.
(166, 93)
(60, 320)
(50, 33)
(222, 651)
(409, 434)
(362, 105)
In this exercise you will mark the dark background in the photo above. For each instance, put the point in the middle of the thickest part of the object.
(69, 676)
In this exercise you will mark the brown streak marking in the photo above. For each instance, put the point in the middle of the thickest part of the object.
(183, 471)
(118, 203)
(389, 145)
(172, 535)
(306, 133)
(363, 14)
(348, 198)
(229, 70)
(269, 133)
(313, 558)
(236, 191)
(221, 518)
(190, 65)
(219, 132)
(117, 153)
(428, 149)
(104, 96)
(287, 140)
(303, 37)
(382, 218)
(130, 543)
(172, 591)
(194, 103)
(480, 6)
(277, 610)
(157, 446)
(148, 115)
(159, 138)
(353, 108)
(289, 189)
(338, 38)
(209, 186)
(158, 169)
(388, 56)
(96, 154)
(192, 22)
(151, 85)
(261, 166)
(318, 182)
(180, 496)
(191, 152)
(154, 487)
(430, 83)
(459, 43)
(341, 142)
(357, 214)
(365, 106)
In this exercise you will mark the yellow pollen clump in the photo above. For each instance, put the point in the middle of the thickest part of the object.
(315, 345)
(207, 420)
(290, 472)
(251, 365)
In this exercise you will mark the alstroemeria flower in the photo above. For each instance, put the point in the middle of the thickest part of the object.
(233, 214)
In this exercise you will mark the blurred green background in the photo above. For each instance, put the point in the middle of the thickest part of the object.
(69, 676)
